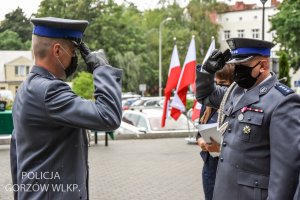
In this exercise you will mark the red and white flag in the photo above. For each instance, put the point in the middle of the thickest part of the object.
(196, 110)
(173, 76)
(197, 105)
(187, 77)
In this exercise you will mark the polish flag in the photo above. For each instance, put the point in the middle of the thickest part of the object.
(173, 76)
(187, 77)
(197, 106)
(196, 110)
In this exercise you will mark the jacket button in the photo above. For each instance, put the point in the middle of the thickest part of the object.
(233, 116)
(249, 119)
(256, 183)
(229, 130)
(221, 159)
(224, 144)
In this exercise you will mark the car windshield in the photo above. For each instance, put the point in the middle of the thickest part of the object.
(171, 124)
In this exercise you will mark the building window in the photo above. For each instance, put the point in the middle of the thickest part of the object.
(2, 88)
(255, 17)
(255, 33)
(21, 70)
(226, 34)
(241, 18)
(226, 19)
(27, 70)
(241, 33)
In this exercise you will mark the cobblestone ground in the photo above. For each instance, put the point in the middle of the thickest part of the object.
(156, 169)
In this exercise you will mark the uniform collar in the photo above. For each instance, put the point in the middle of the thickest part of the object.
(254, 94)
(42, 71)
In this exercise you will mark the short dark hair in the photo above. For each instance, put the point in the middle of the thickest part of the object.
(226, 73)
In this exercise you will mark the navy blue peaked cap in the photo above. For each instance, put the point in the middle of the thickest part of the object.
(59, 28)
(244, 49)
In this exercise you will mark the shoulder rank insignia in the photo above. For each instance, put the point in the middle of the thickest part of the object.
(285, 90)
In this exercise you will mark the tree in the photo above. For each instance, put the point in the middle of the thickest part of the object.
(286, 23)
(10, 40)
(17, 22)
(284, 68)
(83, 85)
(130, 37)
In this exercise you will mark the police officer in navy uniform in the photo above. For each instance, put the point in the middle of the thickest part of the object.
(260, 151)
(49, 147)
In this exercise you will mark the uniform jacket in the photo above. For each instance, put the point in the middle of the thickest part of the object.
(260, 154)
(49, 144)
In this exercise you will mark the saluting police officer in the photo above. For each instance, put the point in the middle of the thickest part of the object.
(49, 149)
(260, 123)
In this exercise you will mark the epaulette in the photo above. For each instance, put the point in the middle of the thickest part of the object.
(285, 90)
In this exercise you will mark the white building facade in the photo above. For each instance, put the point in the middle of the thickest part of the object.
(246, 24)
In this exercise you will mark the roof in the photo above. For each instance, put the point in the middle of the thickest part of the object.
(8, 56)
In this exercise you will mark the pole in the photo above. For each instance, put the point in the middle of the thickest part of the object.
(160, 44)
(263, 23)
(159, 79)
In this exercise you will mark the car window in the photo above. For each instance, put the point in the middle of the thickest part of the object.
(171, 124)
(142, 123)
(130, 119)
(151, 103)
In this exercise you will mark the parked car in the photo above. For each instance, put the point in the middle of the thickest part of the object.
(149, 121)
(126, 128)
(149, 102)
(128, 102)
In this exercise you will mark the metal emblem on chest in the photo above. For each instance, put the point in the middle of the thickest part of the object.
(241, 117)
(246, 129)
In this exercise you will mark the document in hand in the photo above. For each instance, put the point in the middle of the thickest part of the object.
(209, 130)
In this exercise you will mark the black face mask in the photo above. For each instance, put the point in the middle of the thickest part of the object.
(242, 76)
(72, 67)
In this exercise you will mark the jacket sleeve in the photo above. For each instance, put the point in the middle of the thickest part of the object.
(66, 108)
(206, 91)
(285, 149)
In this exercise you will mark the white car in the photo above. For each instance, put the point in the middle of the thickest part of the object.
(126, 128)
(149, 121)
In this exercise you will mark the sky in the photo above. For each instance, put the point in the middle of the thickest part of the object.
(31, 6)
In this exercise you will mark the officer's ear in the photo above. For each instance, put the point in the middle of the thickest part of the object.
(56, 49)
(264, 65)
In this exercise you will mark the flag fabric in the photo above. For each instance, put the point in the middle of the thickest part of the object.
(212, 47)
(210, 50)
(173, 76)
(196, 110)
(197, 106)
(187, 77)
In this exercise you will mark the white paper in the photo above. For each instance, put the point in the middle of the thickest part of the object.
(210, 130)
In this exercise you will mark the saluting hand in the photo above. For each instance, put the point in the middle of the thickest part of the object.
(92, 59)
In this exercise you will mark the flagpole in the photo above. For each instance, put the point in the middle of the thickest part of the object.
(159, 57)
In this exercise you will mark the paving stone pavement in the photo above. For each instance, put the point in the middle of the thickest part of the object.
(152, 169)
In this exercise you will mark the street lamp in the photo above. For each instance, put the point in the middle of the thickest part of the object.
(160, 43)
(263, 18)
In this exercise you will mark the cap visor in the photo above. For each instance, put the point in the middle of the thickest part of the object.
(239, 60)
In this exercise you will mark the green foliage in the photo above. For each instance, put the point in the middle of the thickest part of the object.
(10, 40)
(130, 37)
(189, 104)
(284, 68)
(16, 21)
(286, 23)
(83, 85)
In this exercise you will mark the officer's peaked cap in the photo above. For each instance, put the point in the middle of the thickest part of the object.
(244, 49)
(59, 28)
